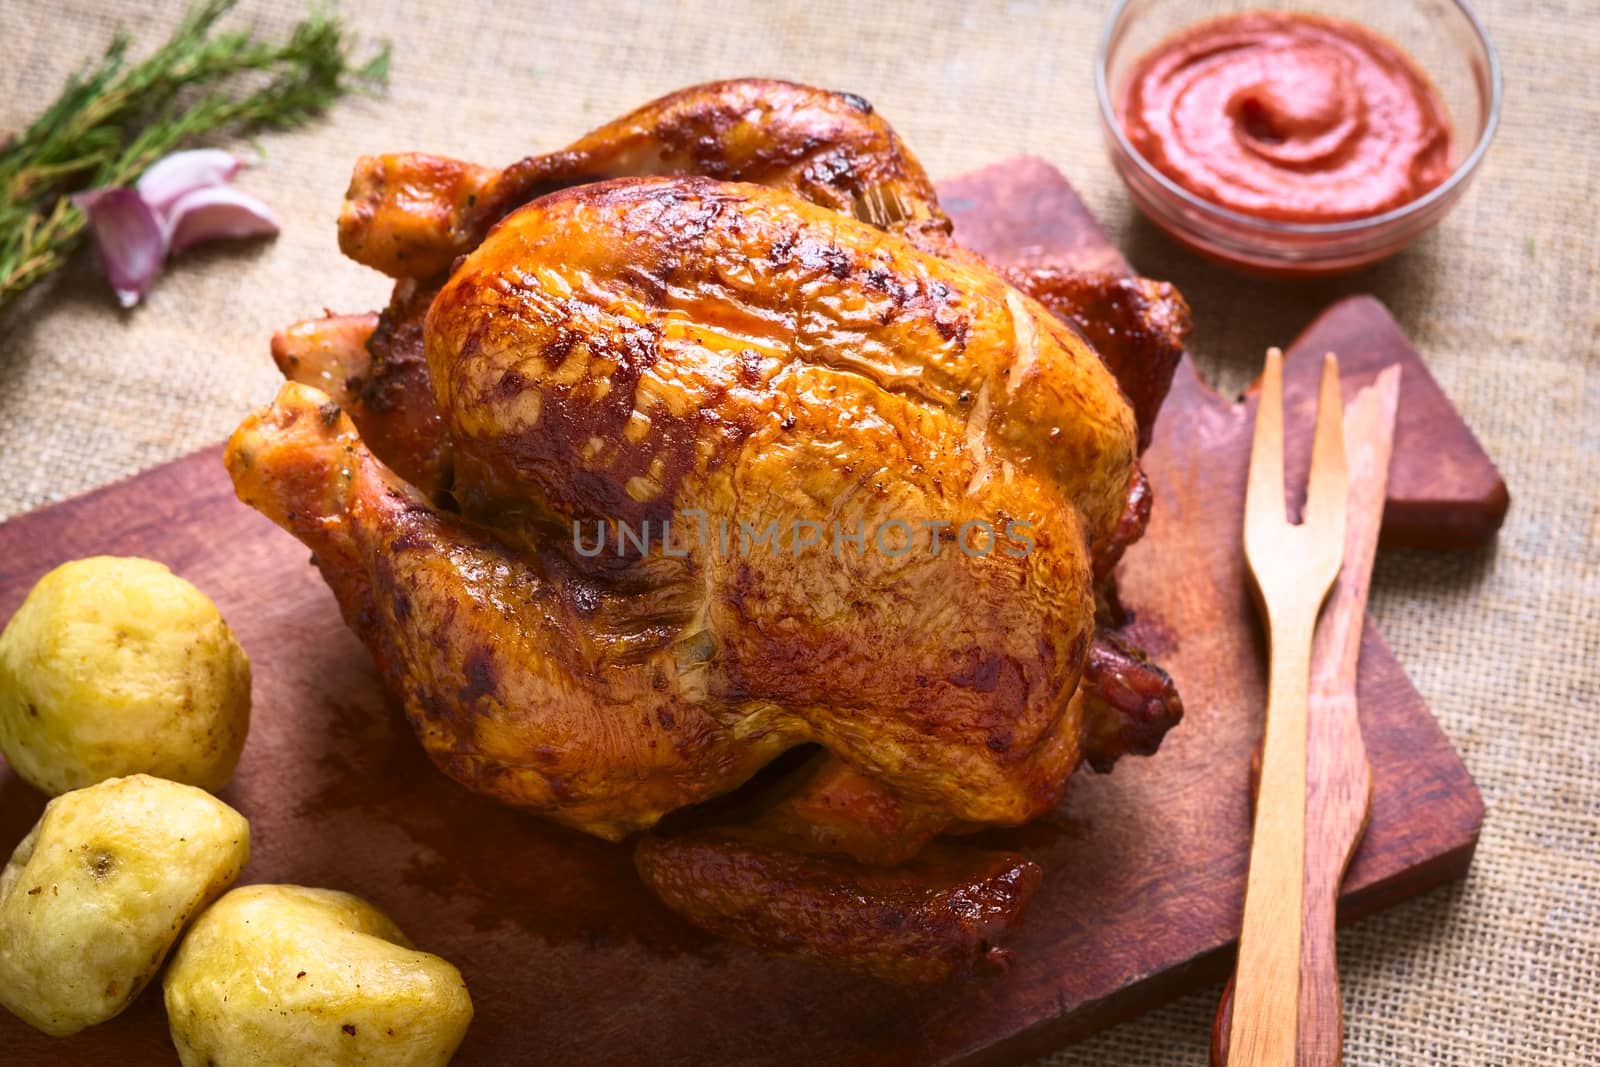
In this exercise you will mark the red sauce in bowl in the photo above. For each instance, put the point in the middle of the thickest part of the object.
(1288, 117)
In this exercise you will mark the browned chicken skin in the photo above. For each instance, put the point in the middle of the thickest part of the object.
(921, 922)
(633, 351)
(807, 346)
(410, 215)
(1137, 325)
(329, 353)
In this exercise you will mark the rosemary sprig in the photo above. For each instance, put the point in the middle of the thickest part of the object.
(112, 120)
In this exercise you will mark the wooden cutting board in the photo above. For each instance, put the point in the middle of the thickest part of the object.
(570, 961)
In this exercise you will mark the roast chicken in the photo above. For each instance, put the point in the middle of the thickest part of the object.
(697, 488)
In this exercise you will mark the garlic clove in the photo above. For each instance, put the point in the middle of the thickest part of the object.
(128, 236)
(182, 172)
(216, 211)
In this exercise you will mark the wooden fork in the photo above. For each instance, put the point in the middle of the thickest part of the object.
(1294, 566)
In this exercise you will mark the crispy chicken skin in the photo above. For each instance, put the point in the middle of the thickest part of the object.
(373, 367)
(329, 353)
(411, 215)
(1138, 326)
(646, 348)
(919, 923)
(735, 315)
(493, 652)
(608, 346)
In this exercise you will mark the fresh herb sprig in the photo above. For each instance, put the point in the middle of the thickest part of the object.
(112, 120)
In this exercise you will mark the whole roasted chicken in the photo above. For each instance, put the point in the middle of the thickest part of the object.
(697, 485)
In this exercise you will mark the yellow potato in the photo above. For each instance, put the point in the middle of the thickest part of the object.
(279, 974)
(99, 890)
(118, 666)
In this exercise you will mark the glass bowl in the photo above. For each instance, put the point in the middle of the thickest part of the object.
(1445, 39)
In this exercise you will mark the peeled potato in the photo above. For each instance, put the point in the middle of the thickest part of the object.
(117, 666)
(98, 891)
(276, 974)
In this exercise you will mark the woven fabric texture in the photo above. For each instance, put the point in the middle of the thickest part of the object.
(1503, 300)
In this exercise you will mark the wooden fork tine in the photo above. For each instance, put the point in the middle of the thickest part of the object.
(1263, 501)
(1327, 490)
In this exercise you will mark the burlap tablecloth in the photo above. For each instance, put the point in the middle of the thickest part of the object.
(1503, 300)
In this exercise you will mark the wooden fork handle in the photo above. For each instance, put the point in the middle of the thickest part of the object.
(1266, 1003)
(1331, 841)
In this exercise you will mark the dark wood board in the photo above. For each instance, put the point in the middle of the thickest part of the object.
(1444, 490)
(570, 961)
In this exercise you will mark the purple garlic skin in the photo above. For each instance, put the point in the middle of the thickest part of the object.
(182, 200)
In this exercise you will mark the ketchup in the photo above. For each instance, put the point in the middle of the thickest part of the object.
(1288, 117)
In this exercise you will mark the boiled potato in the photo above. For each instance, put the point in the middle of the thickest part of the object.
(99, 890)
(118, 666)
(278, 974)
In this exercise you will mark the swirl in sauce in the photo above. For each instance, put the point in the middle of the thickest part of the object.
(1288, 117)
